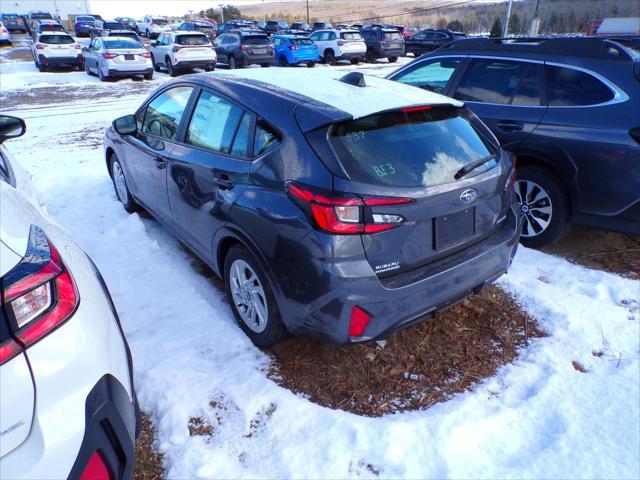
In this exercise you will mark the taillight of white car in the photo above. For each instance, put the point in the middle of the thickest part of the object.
(39, 294)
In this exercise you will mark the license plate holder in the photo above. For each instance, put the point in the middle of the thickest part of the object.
(454, 227)
(129, 56)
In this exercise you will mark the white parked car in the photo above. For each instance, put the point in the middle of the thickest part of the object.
(151, 27)
(336, 45)
(110, 57)
(180, 51)
(5, 36)
(68, 403)
(55, 49)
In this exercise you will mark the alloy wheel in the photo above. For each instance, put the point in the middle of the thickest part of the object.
(248, 296)
(120, 182)
(535, 207)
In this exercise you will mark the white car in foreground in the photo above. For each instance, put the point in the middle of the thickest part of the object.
(67, 400)
(180, 51)
(110, 57)
(54, 49)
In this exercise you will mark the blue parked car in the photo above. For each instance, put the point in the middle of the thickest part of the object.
(293, 50)
(83, 25)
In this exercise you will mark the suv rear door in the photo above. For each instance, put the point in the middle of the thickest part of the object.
(505, 94)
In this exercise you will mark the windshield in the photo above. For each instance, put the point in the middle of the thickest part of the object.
(56, 39)
(353, 36)
(256, 40)
(410, 148)
(300, 41)
(116, 44)
(392, 35)
(160, 21)
(85, 19)
(192, 40)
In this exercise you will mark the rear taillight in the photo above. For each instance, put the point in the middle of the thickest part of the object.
(346, 213)
(96, 468)
(38, 294)
(39, 47)
(145, 55)
(293, 47)
(109, 56)
(243, 47)
(176, 48)
(358, 321)
(341, 42)
(77, 46)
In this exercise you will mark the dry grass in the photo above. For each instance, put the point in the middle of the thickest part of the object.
(148, 464)
(418, 367)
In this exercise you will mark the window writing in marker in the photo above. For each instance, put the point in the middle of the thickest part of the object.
(384, 169)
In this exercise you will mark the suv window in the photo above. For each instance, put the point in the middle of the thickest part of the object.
(351, 36)
(256, 40)
(192, 39)
(56, 39)
(568, 87)
(163, 115)
(433, 75)
(392, 35)
(214, 124)
(380, 149)
(496, 81)
(266, 139)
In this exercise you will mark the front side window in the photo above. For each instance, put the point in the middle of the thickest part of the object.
(495, 81)
(214, 123)
(164, 113)
(433, 75)
(381, 149)
(568, 87)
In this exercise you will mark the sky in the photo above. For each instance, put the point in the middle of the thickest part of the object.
(138, 8)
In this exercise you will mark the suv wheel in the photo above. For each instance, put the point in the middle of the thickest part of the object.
(544, 204)
(355, 61)
(170, 69)
(370, 56)
(329, 57)
(232, 62)
(251, 299)
(283, 61)
(392, 59)
(101, 75)
(156, 67)
(120, 185)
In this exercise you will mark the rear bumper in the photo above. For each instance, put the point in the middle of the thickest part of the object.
(350, 55)
(128, 73)
(392, 52)
(188, 64)
(61, 61)
(404, 299)
(313, 57)
(258, 59)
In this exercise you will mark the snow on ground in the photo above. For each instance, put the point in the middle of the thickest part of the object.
(538, 417)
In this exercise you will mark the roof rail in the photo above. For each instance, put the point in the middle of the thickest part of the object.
(591, 47)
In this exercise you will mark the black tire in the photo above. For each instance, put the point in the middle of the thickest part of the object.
(102, 76)
(275, 331)
(170, 69)
(542, 181)
(392, 59)
(209, 68)
(232, 62)
(156, 67)
(148, 76)
(329, 57)
(311, 64)
(283, 62)
(370, 56)
(265, 65)
(41, 67)
(355, 61)
(86, 69)
(128, 202)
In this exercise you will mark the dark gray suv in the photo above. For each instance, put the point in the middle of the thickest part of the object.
(569, 108)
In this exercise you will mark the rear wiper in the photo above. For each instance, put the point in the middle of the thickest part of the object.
(473, 165)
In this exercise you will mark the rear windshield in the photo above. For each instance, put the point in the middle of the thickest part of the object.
(9, 16)
(131, 35)
(392, 35)
(40, 16)
(56, 39)
(410, 149)
(115, 44)
(204, 29)
(113, 26)
(160, 21)
(51, 28)
(192, 40)
(300, 41)
(85, 19)
(350, 36)
(256, 40)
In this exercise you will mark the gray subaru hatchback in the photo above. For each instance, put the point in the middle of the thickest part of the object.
(338, 207)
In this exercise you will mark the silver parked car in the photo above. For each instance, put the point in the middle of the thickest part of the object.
(110, 57)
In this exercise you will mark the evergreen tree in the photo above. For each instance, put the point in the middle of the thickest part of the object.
(455, 25)
(496, 28)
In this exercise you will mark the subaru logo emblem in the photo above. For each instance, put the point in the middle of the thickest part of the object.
(469, 195)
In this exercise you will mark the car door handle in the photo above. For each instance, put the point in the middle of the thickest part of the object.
(160, 162)
(223, 181)
(510, 126)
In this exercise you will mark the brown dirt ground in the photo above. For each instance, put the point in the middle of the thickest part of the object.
(445, 355)
(609, 251)
(148, 465)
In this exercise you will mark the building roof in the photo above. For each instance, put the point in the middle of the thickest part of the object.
(324, 85)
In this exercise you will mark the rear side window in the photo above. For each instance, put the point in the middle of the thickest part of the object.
(351, 36)
(56, 39)
(192, 40)
(495, 81)
(266, 139)
(256, 40)
(164, 113)
(214, 124)
(433, 75)
(567, 87)
(382, 148)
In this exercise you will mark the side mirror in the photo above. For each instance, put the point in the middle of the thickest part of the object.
(153, 44)
(11, 127)
(125, 125)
